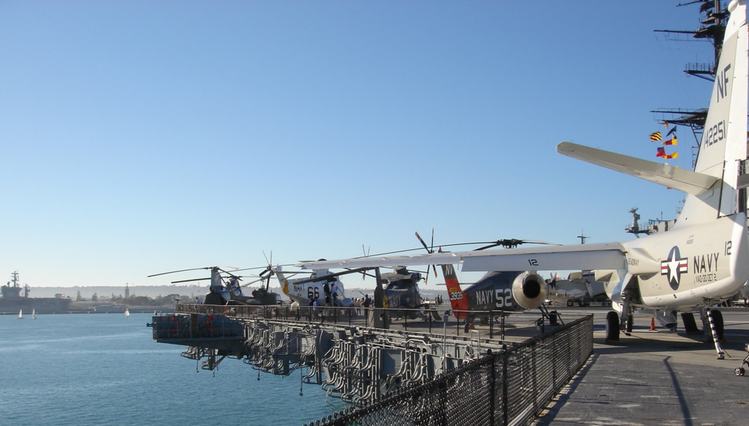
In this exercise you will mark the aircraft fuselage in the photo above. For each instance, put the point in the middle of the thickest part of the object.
(689, 265)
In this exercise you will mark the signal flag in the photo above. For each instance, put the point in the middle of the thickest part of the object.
(656, 136)
(673, 141)
(662, 154)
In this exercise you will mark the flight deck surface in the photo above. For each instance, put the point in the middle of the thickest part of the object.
(657, 378)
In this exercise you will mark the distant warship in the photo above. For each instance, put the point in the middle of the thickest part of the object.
(12, 302)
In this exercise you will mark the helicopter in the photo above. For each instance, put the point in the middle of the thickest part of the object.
(322, 287)
(495, 291)
(402, 285)
(504, 291)
(226, 289)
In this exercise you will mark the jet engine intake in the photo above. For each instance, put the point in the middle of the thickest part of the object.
(529, 290)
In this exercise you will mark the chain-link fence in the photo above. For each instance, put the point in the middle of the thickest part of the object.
(509, 387)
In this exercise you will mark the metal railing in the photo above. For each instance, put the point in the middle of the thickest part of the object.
(426, 320)
(509, 387)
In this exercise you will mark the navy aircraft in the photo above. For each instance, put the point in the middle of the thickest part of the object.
(225, 287)
(700, 261)
(321, 287)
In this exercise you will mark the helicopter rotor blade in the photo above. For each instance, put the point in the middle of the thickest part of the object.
(191, 280)
(252, 282)
(266, 257)
(251, 268)
(179, 270)
(421, 240)
(431, 250)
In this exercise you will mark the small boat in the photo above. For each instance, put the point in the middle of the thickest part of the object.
(33, 313)
(127, 312)
(20, 314)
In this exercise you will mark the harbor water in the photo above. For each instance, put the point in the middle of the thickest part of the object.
(93, 369)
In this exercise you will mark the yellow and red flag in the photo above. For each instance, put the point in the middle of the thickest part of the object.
(663, 154)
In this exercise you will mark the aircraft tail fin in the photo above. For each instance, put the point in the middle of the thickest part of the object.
(282, 279)
(458, 299)
(723, 148)
(713, 187)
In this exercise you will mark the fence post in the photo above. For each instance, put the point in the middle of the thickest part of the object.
(502, 326)
(443, 406)
(491, 324)
(492, 384)
(534, 378)
(554, 360)
(505, 408)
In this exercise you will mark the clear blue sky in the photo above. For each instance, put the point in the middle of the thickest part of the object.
(144, 136)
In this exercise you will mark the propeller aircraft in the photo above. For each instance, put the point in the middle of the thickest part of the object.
(700, 262)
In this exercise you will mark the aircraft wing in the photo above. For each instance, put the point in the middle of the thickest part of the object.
(673, 177)
(581, 256)
(585, 256)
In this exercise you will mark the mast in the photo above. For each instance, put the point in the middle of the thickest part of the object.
(713, 21)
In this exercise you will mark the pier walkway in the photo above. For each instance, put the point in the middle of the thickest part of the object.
(657, 378)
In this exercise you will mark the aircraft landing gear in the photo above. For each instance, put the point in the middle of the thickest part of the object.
(690, 325)
(718, 321)
(714, 319)
(612, 326)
